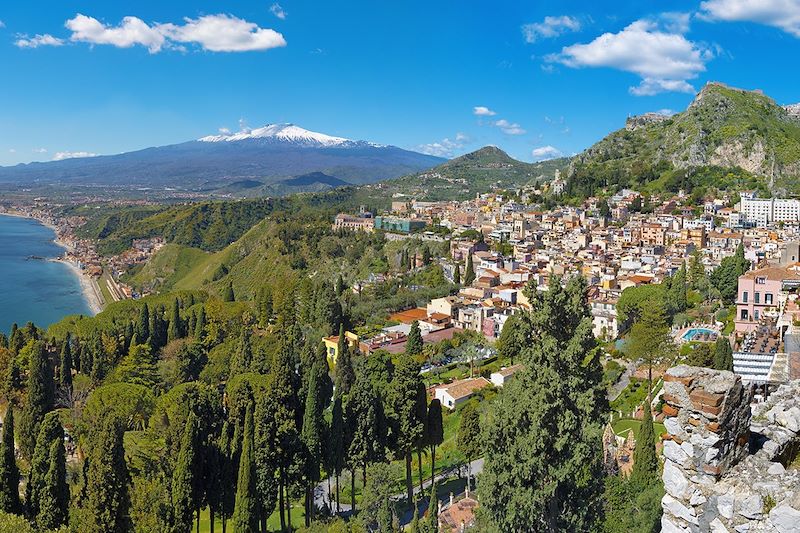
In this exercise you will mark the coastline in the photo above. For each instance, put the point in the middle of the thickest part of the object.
(89, 289)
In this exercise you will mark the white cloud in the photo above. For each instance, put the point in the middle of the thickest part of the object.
(216, 33)
(224, 33)
(543, 153)
(278, 11)
(509, 128)
(482, 111)
(60, 156)
(446, 147)
(783, 14)
(224, 131)
(40, 150)
(550, 27)
(665, 60)
(37, 40)
(2, 24)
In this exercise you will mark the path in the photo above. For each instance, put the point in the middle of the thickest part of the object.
(623, 382)
(322, 498)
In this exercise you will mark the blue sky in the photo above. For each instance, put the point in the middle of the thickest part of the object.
(536, 78)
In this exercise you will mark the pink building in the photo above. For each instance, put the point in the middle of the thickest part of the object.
(760, 291)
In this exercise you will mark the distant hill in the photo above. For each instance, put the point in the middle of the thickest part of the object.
(483, 170)
(727, 136)
(241, 163)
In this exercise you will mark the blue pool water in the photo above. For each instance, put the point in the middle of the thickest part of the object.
(694, 332)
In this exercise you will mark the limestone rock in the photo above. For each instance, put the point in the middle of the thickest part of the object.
(675, 483)
(785, 519)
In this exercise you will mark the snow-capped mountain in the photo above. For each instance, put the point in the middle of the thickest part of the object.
(285, 133)
(271, 155)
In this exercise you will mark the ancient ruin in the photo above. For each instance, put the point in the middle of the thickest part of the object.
(729, 467)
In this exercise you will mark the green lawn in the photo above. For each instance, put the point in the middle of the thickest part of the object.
(273, 523)
(622, 426)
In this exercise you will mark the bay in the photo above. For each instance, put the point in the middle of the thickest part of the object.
(32, 288)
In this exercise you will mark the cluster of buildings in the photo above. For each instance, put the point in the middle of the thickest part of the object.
(512, 244)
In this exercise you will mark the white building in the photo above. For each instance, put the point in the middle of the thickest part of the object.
(764, 211)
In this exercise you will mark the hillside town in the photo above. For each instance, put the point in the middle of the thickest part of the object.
(626, 240)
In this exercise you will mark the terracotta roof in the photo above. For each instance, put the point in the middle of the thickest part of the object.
(505, 372)
(410, 315)
(775, 273)
(465, 387)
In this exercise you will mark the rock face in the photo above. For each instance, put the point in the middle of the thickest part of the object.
(725, 467)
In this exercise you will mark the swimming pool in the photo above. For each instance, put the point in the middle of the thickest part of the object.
(696, 334)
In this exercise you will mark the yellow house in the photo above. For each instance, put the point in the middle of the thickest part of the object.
(332, 345)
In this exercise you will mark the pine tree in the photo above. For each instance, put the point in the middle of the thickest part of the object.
(435, 430)
(228, 295)
(344, 375)
(723, 354)
(469, 274)
(457, 275)
(107, 502)
(175, 330)
(414, 340)
(54, 495)
(645, 460)
(245, 514)
(9, 473)
(40, 399)
(139, 367)
(50, 431)
(557, 406)
(184, 479)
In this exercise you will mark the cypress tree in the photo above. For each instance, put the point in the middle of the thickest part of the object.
(65, 370)
(344, 375)
(469, 274)
(175, 330)
(107, 502)
(468, 439)
(457, 275)
(228, 295)
(435, 431)
(243, 357)
(363, 415)
(645, 461)
(414, 341)
(337, 442)
(9, 473)
(142, 328)
(312, 436)
(723, 354)
(49, 432)
(200, 327)
(184, 479)
(406, 421)
(54, 495)
(40, 399)
(432, 525)
(245, 514)
(3, 340)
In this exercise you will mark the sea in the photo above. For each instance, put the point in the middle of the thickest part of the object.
(32, 288)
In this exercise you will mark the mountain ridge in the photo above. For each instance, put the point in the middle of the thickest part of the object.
(723, 127)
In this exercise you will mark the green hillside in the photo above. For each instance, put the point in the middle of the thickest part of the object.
(724, 131)
(461, 178)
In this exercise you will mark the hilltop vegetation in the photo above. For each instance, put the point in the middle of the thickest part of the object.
(743, 137)
(461, 178)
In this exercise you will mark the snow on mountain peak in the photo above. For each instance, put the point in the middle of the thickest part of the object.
(283, 132)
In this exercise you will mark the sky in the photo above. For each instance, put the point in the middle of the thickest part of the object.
(539, 79)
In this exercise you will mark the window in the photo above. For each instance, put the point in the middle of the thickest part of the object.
(744, 297)
(744, 314)
(756, 314)
(768, 298)
(761, 280)
(758, 298)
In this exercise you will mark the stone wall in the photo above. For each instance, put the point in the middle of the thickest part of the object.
(725, 467)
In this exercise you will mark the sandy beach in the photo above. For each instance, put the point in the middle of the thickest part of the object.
(91, 292)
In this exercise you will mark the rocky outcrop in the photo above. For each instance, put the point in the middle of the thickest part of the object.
(726, 467)
(642, 121)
